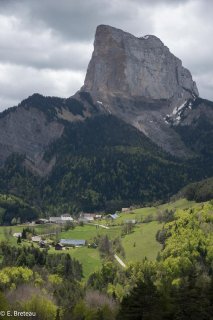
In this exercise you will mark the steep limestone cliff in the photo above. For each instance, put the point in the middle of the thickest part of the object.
(124, 65)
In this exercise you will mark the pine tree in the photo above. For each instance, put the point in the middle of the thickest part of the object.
(19, 240)
(143, 303)
(24, 234)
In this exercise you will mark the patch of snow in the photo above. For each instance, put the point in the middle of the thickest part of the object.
(146, 37)
(174, 111)
(178, 109)
(99, 102)
(106, 107)
(166, 119)
(194, 96)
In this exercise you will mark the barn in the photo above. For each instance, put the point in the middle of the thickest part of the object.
(72, 242)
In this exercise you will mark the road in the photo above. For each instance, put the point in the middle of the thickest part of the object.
(100, 225)
(120, 261)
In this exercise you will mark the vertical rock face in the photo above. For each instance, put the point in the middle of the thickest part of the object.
(27, 132)
(140, 81)
(136, 79)
(124, 65)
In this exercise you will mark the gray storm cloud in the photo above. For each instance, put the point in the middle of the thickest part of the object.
(45, 46)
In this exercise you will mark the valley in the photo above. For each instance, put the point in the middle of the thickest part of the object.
(138, 244)
(168, 252)
(106, 197)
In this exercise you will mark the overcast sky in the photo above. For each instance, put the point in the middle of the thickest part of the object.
(45, 45)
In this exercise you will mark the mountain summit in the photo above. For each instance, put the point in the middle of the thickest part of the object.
(136, 130)
(123, 65)
(140, 81)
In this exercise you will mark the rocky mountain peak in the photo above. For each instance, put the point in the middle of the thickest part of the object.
(140, 81)
(125, 65)
(137, 80)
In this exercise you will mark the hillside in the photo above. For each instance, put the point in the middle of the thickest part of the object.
(14, 210)
(167, 255)
(117, 167)
(198, 191)
(138, 244)
(134, 134)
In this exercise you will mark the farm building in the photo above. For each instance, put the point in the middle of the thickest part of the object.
(62, 219)
(42, 244)
(87, 216)
(55, 220)
(125, 209)
(90, 216)
(98, 216)
(36, 239)
(41, 221)
(92, 245)
(84, 220)
(58, 246)
(112, 216)
(133, 221)
(72, 242)
(66, 217)
(17, 234)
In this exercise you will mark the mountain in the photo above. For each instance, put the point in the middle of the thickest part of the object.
(11, 206)
(142, 82)
(126, 66)
(198, 191)
(136, 132)
(36, 123)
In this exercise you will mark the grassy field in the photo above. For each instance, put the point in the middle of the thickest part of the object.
(141, 242)
(88, 232)
(141, 213)
(88, 257)
(137, 214)
(179, 204)
(7, 232)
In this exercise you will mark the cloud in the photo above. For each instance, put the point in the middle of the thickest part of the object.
(45, 46)
(76, 19)
(187, 30)
(19, 81)
(39, 48)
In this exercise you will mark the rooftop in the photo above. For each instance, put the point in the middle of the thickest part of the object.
(73, 242)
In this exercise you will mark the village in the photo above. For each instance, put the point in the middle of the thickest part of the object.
(66, 222)
(125, 235)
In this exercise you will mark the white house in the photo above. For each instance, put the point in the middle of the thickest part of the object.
(17, 234)
(132, 221)
(88, 216)
(62, 219)
(66, 217)
(36, 239)
(98, 216)
(55, 220)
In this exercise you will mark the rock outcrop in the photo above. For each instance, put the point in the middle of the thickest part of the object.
(140, 81)
(123, 65)
(36, 123)
(26, 131)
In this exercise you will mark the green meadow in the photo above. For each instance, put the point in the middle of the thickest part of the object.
(89, 232)
(140, 243)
